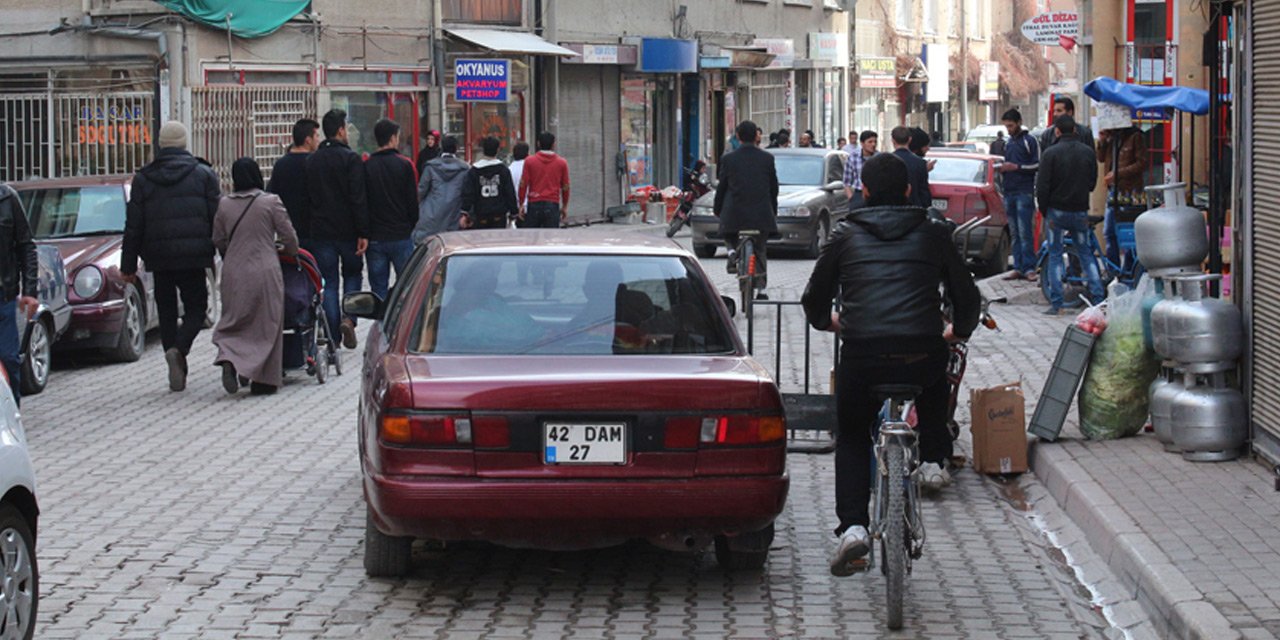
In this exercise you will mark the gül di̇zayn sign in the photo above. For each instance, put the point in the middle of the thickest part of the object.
(1046, 28)
(481, 80)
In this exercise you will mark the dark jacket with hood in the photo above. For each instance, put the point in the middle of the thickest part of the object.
(440, 196)
(747, 196)
(339, 209)
(169, 220)
(489, 195)
(392, 187)
(18, 261)
(1068, 172)
(886, 264)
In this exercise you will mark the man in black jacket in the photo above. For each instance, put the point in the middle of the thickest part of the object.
(888, 263)
(1068, 171)
(392, 186)
(289, 178)
(917, 168)
(1065, 106)
(747, 196)
(169, 224)
(339, 220)
(18, 283)
(489, 195)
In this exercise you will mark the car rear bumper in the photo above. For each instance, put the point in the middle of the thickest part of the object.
(572, 513)
(794, 233)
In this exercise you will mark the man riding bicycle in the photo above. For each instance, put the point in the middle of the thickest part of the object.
(747, 196)
(889, 263)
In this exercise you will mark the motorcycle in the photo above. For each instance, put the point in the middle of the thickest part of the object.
(697, 184)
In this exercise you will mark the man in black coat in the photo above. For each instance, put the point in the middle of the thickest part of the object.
(289, 178)
(169, 224)
(747, 196)
(917, 168)
(489, 195)
(392, 187)
(1067, 174)
(18, 284)
(339, 220)
(1065, 106)
(890, 268)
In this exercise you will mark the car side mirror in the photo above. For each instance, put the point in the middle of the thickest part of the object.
(363, 304)
(834, 185)
(732, 305)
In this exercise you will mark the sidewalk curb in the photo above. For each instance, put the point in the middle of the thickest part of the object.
(1175, 605)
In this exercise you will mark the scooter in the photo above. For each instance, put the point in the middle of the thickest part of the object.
(697, 184)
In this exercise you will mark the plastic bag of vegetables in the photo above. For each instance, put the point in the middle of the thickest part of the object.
(1113, 398)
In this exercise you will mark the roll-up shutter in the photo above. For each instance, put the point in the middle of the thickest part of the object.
(588, 140)
(1265, 220)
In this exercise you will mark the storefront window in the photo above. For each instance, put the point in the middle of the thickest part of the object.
(637, 136)
(769, 100)
(364, 109)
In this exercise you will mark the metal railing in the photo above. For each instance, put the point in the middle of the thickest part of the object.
(58, 135)
(231, 122)
(811, 414)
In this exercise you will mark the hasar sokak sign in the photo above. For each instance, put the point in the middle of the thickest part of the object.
(481, 80)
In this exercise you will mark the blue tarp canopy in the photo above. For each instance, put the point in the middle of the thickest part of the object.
(1106, 89)
(249, 18)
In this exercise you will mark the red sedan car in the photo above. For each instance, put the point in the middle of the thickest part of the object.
(966, 186)
(567, 390)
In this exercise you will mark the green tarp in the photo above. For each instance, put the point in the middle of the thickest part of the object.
(249, 18)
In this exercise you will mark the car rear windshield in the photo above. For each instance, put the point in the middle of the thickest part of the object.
(74, 211)
(570, 305)
(798, 170)
(959, 170)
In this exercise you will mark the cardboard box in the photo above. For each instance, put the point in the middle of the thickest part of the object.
(998, 422)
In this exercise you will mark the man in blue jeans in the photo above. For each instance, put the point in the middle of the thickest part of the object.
(1021, 161)
(1068, 171)
(339, 220)
(391, 183)
(18, 284)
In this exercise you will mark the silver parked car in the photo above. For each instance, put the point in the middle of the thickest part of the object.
(47, 324)
(810, 199)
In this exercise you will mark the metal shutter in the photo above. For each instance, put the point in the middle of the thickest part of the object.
(1265, 221)
(589, 113)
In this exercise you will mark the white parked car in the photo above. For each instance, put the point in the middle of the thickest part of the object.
(19, 577)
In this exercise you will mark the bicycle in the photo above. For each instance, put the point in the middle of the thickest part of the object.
(1073, 275)
(896, 520)
(751, 270)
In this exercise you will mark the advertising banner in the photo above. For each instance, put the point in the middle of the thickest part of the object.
(1045, 28)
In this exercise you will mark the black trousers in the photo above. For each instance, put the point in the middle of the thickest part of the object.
(857, 411)
(191, 286)
(542, 215)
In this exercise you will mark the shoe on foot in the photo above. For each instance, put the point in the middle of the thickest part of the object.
(260, 389)
(1053, 311)
(731, 265)
(230, 381)
(1031, 276)
(933, 477)
(348, 330)
(851, 551)
(177, 369)
(1013, 275)
(760, 295)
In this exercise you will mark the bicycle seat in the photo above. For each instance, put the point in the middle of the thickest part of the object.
(1094, 220)
(897, 391)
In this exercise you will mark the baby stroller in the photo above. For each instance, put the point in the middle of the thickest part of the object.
(307, 343)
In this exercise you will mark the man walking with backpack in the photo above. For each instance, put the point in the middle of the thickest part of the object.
(392, 187)
(489, 196)
(1021, 161)
(169, 224)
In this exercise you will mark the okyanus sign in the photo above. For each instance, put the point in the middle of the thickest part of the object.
(481, 80)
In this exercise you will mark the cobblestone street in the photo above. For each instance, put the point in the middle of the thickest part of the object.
(203, 515)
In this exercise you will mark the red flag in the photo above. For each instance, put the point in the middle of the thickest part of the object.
(1066, 42)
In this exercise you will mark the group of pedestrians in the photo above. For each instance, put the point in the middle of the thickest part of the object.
(346, 210)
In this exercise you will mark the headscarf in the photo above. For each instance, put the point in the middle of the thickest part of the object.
(246, 175)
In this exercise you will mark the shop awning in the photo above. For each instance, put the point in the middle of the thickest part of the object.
(244, 18)
(748, 57)
(1186, 99)
(517, 42)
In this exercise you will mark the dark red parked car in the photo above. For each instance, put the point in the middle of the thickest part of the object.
(568, 390)
(966, 186)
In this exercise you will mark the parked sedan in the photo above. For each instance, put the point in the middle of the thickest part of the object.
(83, 218)
(602, 396)
(42, 329)
(810, 197)
(19, 570)
(966, 186)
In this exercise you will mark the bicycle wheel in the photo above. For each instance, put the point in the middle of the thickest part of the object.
(895, 531)
(746, 277)
(677, 222)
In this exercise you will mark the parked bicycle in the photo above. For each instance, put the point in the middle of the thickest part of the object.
(1073, 275)
(896, 520)
(751, 269)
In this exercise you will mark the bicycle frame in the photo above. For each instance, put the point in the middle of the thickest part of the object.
(893, 428)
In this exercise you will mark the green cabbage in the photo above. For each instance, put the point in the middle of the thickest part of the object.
(1113, 398)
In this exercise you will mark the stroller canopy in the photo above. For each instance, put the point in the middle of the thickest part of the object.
(1106, 89)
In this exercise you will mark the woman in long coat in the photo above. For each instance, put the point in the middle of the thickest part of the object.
(250, 333)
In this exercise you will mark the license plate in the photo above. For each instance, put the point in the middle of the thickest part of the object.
(940, 204)
(596, 443)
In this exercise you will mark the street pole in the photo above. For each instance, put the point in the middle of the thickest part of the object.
(964, 70)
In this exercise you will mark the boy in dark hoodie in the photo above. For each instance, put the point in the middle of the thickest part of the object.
(489, 196)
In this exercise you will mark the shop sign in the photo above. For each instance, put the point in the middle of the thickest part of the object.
(1151, 116)
(783, 50)
(877, 73)
(989, 82)
(113, 125)
(938, 87)
(833, 47)
(481, 80)
(600, 53)
(1045, 28)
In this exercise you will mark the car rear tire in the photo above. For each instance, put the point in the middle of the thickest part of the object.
(744, 552)
(18, 567)
(704, 250)
(37, 358)
(133, 329)
(998, 263)
(820, 234)
(385, 556)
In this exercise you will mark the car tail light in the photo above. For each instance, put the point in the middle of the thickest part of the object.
(742, 429)
(491, 432)
(419, 429)
(682, 433)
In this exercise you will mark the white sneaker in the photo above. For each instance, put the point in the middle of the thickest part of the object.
(933, 477)
(853, 547)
